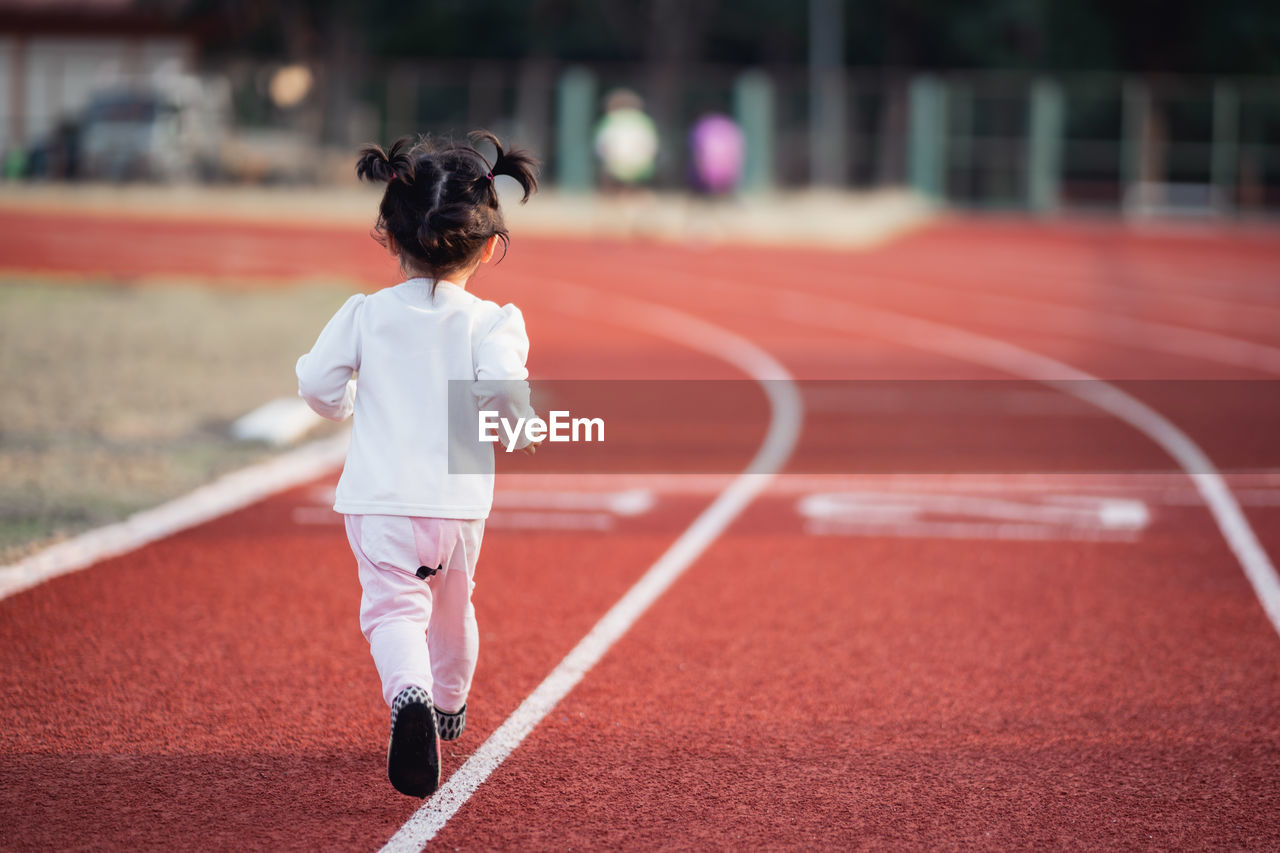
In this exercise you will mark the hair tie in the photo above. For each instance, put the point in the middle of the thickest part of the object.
(393, 176)
(489, 175)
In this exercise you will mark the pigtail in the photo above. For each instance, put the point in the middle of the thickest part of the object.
(440, 205)
(396, 163)
(516, 163)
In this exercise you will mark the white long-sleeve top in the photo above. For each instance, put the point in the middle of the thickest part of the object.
(406, 344)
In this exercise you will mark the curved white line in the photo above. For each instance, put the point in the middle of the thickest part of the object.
(783, 431)
(1196, 299)
(1128, 331)
(1009, 358)
(814, 309)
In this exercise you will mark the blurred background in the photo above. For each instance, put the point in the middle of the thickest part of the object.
(149, 147)
(1136, 106)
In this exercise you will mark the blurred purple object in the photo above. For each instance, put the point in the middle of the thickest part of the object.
(718, 153)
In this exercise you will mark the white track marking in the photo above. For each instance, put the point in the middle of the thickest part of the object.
(528, 520)
(903, 398)
(1254, 488)
(615, 493)
(626, 502)
(814, 310)
(1072, 511)
(967, 530)
(279, 423)
(1117, 328)
(1147, 489)
(225, 495)
(1247, 497)
(541, 510)
(934, 515)
(1208, 293)
(319, 516)
(784, 429)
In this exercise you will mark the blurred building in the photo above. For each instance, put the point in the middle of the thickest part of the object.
(56, 54)
(1033, 106)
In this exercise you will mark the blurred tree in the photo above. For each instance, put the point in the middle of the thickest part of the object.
(1224, 36)
(1190, 36)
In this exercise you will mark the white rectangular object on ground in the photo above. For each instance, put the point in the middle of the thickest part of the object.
(280, 422)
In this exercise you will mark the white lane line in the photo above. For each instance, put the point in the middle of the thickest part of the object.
(525, 510)
(626, 502)
(529, 520)
(1208, 295)
(615, 493)
(232, 492)
(973, 530)
(278, 423)
(1122, 329)
(932, 515)
(1246, 497)
(1253, 488)
(841, 314)
(906, 398)
(784, 429)
(317, 516)
(1064, 510)
(814, 310)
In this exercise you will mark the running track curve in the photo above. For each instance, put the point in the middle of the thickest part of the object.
(790, 690)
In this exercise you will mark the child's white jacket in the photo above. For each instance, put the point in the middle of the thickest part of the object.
(407, 344)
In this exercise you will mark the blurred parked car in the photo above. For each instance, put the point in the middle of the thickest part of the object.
(131, 135)
(161, 133)
(175, 128)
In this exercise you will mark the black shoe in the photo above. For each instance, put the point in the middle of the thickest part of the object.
(413, 754)
(451, 726)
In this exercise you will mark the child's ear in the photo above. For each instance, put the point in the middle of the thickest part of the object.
(489, 248)
(392, 249)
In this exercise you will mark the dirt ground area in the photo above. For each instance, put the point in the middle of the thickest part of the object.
(121, 397)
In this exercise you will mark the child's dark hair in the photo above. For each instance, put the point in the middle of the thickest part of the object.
(441, 205)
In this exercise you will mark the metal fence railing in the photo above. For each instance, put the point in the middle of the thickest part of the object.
(985, 140)
(1170, 145)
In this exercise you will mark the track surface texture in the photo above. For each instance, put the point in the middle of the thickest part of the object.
(855, 685)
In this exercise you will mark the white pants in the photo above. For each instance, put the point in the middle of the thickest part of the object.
(421, 632)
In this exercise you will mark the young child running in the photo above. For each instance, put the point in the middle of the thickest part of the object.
(414, 528)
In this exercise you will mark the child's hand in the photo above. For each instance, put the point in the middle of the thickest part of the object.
(532, 447)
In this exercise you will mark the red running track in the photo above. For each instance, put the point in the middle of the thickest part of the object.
(791, 690)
